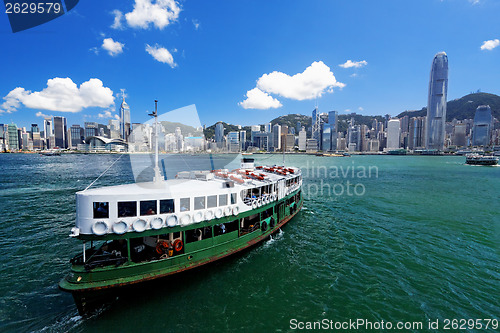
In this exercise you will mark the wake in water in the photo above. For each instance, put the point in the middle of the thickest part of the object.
(271, 240)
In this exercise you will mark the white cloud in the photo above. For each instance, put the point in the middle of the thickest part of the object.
(113, 48)
(356, 64)
(360, 108)
(160, 13)
(257, 99)
(95, 50)
(61, 94)
(40, 114)
(107, 114)
(117, 23)
(474, 2)
(311, 83)
(490, 44)
(354, 75)
(196, 24)
(161, 54)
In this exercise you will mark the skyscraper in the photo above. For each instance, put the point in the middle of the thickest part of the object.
(436, 107)
(483, 121)
(276, 137)
(393, 131)
(219, 134)
(60, 132)
(316, 125)
(332, 122)
(124, 119)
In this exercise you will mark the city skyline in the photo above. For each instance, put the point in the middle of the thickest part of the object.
(190, 56)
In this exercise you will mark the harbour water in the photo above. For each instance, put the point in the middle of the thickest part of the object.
(400, 239)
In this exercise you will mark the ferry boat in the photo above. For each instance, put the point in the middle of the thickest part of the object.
(477, 159)
(143, 231)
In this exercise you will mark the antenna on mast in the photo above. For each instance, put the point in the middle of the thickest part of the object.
(158, 176)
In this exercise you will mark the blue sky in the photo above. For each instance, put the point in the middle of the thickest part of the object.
(217, 51)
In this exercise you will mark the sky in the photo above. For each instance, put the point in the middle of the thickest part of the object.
(244, 62)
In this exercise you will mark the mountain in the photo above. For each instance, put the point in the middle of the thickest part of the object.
(210, 131)
(463, 108)
(185, 129)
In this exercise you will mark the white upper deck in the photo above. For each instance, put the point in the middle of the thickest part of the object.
(191, 197)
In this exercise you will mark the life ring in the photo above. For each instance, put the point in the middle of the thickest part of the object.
(254, 204)
(120, 227)
(161, 247)
(274, 197)
(219, 213)
(264, 226)
(172, 220)
(236, 210)
(272, 223)
(209, 215)
(139, 225)
(198, 217)
(100, 228)
(156, 223)
(178, 245)
(186, 219)
(227, 211)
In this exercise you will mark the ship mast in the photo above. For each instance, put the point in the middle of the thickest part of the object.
(158, 176)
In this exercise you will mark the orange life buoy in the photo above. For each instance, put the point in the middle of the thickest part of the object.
(161, 247)
(178, 245)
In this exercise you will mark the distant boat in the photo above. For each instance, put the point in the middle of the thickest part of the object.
(477, 159)
(397, 152)
(50, 153)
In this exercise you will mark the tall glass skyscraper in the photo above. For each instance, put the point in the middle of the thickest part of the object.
(219, 134)
(483, 122)
(124, 119)
(436, 107)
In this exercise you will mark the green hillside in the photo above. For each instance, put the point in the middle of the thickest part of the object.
(464, 108)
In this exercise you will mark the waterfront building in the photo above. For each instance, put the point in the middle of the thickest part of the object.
(333, 123)
(316, 125)
(459, 137)
(233, 140)
(60, 132)
(341, 144)
(13, 137)
(302, 139)
(276, 137)
(219, 134)
(311, 145)
(267, 128)
(262, 141)
(298, 127)
(416, 133)
(243, 140)
(373, 145)
(77, 135)
(326, 144)
(436, 106)
(124, 119)
(47, 127)
(290, 142)
(393, 132)
(483, 123)
(91, 129)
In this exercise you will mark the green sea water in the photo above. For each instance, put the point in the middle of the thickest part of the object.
(409, 239)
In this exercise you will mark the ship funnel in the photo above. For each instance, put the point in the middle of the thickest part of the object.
(247, 163)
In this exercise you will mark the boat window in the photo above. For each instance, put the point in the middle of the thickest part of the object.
(267, 213)
(225, 228)
(211, 201)
(184, 203)
(233, 198)
(167, 206)
(222, 199)
(127, 208)
(198, 234)
(101, 210)
(199, 203)
(148, 207)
